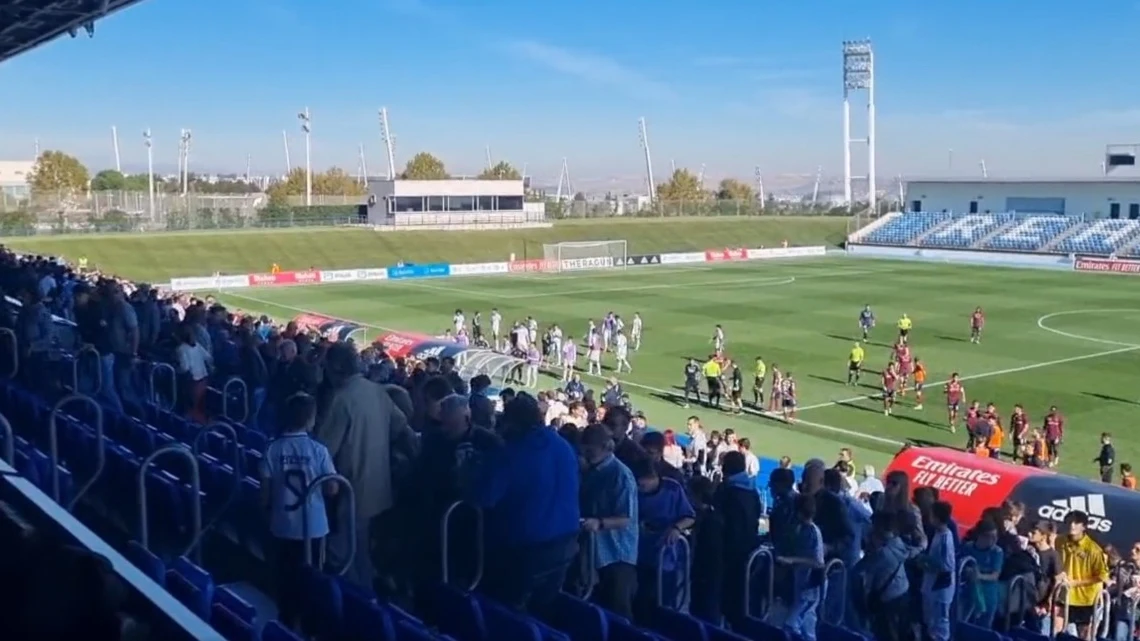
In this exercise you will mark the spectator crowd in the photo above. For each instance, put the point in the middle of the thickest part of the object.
(566, 490)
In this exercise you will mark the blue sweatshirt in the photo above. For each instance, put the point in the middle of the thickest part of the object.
(659, 511)
(529, 490)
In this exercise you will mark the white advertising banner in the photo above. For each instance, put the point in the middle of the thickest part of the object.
(577, 264)
(480, 269)
(786, 252)
(680, 259)
(195, 283)
(338, 276)
(233, 282)
(371, 274)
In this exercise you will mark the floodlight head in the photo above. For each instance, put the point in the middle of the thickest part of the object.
(858, 65)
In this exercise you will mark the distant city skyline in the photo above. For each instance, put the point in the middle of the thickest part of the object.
(955, 84)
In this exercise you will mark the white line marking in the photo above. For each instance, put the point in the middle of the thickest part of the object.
(762, 282)
(1123, 348)
(1042, 325)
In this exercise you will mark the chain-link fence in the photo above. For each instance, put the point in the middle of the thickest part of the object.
(105, 212)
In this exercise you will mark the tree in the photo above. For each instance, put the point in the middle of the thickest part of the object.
(111, 220)
(109, 180)
(58, 174)
(733, 189)
(335, 182)
(424, 166)
(682, 185)
(580, 197)
(501, 171)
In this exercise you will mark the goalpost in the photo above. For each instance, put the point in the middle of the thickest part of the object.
(589, 254)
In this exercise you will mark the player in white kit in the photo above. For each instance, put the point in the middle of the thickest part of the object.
(458, 320)
(607, 331)
(635, 331)
(718, 339)
(569, 356)
(621, 352)
(532, 330)
(556, 343)
(594, 354)
(496, 326)
(522, 337)
(591, 327)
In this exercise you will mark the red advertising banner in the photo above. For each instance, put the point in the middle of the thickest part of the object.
(401, 344)
(1106, 265)
(309, 277)
(533, 265)
(725, 255)
(967, 481)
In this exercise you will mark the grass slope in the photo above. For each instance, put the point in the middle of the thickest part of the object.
(806, 325)
(159, 257)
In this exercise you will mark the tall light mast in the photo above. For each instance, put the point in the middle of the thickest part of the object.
(859, 75)
(389, 143)
(307, 128)
(643, 136)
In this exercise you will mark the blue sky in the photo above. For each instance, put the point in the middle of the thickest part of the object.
(1033, 88)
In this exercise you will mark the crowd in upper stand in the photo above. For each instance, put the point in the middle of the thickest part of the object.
(571, 495)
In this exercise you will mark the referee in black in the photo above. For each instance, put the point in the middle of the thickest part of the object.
(692, 382)
(712, 371)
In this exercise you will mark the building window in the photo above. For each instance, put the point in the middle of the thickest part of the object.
(510, 203)
(408, 204)
(460, 203)
(485, 203)
(435, 203)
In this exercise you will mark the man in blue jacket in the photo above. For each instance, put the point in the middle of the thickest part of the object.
(528, 490)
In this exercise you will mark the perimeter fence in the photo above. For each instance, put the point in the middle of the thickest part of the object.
(104, 212)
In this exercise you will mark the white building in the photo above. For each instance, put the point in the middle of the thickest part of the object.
(450, 202)
(1104, 197)
(14, 177)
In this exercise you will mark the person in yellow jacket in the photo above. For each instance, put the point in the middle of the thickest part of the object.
(905, 326)
(1084, 572)
(758, 374)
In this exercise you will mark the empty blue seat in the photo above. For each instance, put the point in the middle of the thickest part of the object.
(581, 620)
(453, 612)
(196, 585)
(233, 602)
(274, 631)
(364, 618)
(622, 630)
(678, 626)
(323, 612)
(231, 626)
(757, 629)
(146, 561)
(503, 623)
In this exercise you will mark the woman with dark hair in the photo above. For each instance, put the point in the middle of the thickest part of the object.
(194, 365)
(908, 518)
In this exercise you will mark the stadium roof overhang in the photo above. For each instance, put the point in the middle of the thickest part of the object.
(26, 24)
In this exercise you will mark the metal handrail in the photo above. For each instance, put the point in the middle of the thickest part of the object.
(4, 331)
(1013, 583)
(156, 398)
(53, 446)
(75, 362)
(686, 578)
(445, 545)
(225, 429)
(828, 569)
(1133, 606)
(9, 441)
(757, 554)
(959, 583)
(1102, 608)
(591, 562)
(307, 536)
(238, 382)
(195, 504)
(1053, 608)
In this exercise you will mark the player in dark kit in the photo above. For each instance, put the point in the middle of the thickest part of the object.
(1019, 426)
(866, 321)
(477, 327)
(890, 383)
(736, 386)
(692, 382)
(1054, 430)
(977, 322)
(955, 394)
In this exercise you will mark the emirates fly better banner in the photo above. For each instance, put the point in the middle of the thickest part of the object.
(1106, 265)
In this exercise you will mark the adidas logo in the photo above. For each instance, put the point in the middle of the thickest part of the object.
(619, 262)
(1091, 504)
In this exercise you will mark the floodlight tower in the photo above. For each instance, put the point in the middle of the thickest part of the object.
(288, 162)
(149, 170)
(643, 135)
(307, 128)
(859, 75)
(184, 149)
(386, 138)
(759, 178)
(115, 143)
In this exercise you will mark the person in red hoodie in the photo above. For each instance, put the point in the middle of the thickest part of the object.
(1054, 430)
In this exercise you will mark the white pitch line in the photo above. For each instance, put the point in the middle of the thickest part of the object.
(1042, 325)
(761, 282)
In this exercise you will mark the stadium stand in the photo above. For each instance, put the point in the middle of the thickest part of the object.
(1010, 232)
(907, 228)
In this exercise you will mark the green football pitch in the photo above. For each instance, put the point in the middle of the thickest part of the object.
(1052, 338)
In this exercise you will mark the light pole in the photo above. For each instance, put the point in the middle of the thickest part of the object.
(307, 128)
(185, 178)
(859, 74)
(149, 170)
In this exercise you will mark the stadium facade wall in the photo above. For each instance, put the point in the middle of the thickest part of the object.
(1091, 198)
(1006, 259)
(407, 272)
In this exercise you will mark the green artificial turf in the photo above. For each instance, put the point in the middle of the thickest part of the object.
(160, 257)
(802, 316)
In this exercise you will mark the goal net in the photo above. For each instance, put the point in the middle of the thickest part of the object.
(591, 254)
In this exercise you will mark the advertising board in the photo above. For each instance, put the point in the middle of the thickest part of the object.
(682, 258)
(638, 259)
(307, 277)
(578, 264)
(968, 482)
(480, 269)
(434, 270)
(1106, 265)
(532, 265)
(725, 255)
